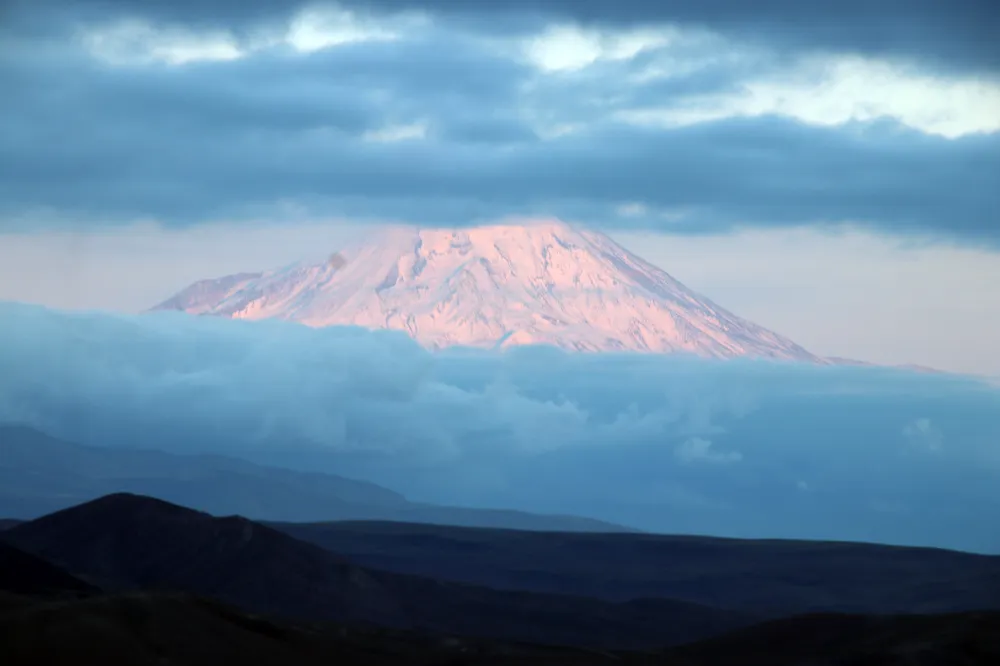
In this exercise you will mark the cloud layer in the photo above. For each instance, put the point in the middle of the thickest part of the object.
(664, 443)
(956, 33)
(702, 119)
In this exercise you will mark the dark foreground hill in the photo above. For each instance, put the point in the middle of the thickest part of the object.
(772, 576)
(127, 542)
(140, 629)
(957, 639)
(282, 601)
(40, 474)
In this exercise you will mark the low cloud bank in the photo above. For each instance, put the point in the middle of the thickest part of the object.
(741, 448)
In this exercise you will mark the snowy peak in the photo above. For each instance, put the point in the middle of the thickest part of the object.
(536, 283)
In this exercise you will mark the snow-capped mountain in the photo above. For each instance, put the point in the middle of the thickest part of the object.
(537, 283)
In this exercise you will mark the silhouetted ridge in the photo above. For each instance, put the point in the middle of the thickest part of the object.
(128, 503)
(128, 542)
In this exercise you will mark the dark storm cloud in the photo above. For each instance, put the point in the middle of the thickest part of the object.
(960, 34)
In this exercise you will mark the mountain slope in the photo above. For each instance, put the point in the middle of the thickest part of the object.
(40, 474)
(128, 542)
(25, 574)
(539, 283)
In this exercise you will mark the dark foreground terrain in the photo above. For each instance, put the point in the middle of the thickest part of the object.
(133, 580)
(139, 629)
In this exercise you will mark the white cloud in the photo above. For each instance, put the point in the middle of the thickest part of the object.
(922, 434)
(632, 209)
(394, 133)
(565, 48)
(138, 42)
(549, 131)
(323, 27)
(834, 90)
(852, 88)
(135, 42)
(698, 450)
(828, 90)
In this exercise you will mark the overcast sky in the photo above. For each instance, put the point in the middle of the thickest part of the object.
(831, 172)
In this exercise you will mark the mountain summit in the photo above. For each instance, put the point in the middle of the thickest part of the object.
(537, 283)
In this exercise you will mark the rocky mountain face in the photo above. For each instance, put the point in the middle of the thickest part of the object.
(536, 283)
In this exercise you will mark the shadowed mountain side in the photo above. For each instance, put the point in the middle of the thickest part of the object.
(22, 573)
(126, 542)
(40, 474)
(775, 576)
(7, 523)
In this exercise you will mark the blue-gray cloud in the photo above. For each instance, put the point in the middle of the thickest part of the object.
(86, 143)
(952, 34)
(230, 138)
(665, 442)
